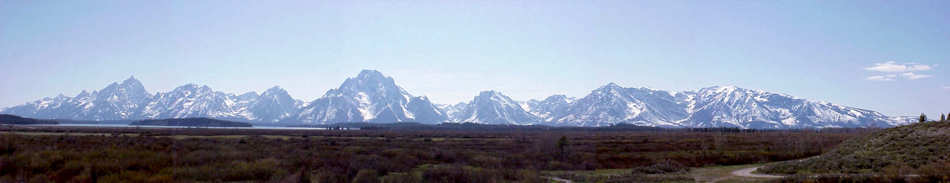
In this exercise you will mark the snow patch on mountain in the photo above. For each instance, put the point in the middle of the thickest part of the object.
(374, 97)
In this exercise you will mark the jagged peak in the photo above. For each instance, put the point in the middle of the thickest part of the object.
(609, 86)
(493, 95)
(489, 93)
(193, 86)
(189, 85)
(367, 73)
(733, 88)
(369, 78)
(130, 83)
(724, 88)
(609, 89)
(274, 90)
(130, 80)
(131, 87)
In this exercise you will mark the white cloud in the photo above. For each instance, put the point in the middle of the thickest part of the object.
(912, 76)
(892, 66)
(893, 71)
(889, 77)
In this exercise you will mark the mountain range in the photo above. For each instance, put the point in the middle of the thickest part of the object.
(375, 98)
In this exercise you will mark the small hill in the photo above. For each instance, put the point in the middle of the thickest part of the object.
(919, 148)
(17, 120)
(197, 122)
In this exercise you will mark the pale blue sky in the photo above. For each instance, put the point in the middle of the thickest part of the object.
(451, 50)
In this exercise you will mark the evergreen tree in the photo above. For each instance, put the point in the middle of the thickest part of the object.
(923, 117)
(561, 146)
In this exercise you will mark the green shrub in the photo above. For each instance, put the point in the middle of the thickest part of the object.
(399, 178)
(662, 167)
(366, 176)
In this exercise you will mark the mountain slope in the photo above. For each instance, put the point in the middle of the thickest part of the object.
(114, 102)
(370, 97)
(612, 104)
(197, 101)
(549, 107)
(914, 146)
(492, 107)
(17, 120)
(374, 97)
(128, 100)
(273, 105)
(736, 107)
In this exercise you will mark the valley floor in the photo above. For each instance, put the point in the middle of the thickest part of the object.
(62, 154)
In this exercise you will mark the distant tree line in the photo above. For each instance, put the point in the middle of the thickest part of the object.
(923, 118)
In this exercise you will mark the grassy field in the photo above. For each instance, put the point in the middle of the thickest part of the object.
(918, 152)
(724, 174)
(176, 155)
(721, 174)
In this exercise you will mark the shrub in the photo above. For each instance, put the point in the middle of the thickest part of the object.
(935, 172)
(662, 167)
(258, 170)
(366, 176)
(399, 178)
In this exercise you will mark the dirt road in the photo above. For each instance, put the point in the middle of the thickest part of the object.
(747, 172)
(555, 179)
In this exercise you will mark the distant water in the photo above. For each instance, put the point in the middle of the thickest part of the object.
(153, 126)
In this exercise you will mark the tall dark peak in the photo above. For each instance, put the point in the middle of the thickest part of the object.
(369, 97)
(130, 84)
(371, 77)
(277, 93)
(371, 81)
(131, 81)
(609, 87)
(489, 93)
(274, 90)
(84, 93)
(492, 96)
(128, 91)
(366, 73)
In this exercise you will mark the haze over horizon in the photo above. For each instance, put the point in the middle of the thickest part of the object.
(878, 55)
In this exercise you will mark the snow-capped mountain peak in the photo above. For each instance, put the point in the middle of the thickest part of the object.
(493, 107)
(276, 90)
(371, 96)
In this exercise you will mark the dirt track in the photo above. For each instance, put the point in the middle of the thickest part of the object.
(747, 172)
